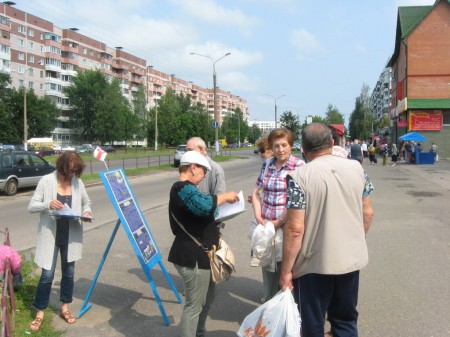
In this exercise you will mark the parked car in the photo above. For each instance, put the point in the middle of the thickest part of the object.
(179, 151)
(296, 147)
(47, 151)
(88, 147)
(65, 148)
(19, 169)
(108, 149)
(57, 147)
(7, 147)
(80, 149)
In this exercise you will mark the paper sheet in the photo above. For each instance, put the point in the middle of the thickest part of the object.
(230, 210)
(67, 212)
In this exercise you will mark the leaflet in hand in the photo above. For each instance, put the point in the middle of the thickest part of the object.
(230, 210)
(67, 212)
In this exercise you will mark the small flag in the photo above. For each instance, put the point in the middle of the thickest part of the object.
(99, 154)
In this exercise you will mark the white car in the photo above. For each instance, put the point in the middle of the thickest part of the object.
(56, 147)
(67, 148)
(179, 151)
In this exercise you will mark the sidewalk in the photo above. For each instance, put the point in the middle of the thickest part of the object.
(437, 173)
(124, 304)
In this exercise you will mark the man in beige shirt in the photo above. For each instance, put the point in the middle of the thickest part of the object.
(324, 246)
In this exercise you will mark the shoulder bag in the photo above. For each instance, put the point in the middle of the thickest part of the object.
(221, 259)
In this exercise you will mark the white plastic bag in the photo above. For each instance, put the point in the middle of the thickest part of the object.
(266, 246)
(278, 317)
(262, 245)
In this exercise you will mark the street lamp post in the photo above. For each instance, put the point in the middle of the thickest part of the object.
(156, 125)
(25, 118)
(216, 113)
(275, 98)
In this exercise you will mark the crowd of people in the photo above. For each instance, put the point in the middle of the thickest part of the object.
(323, 236)
(364, 150)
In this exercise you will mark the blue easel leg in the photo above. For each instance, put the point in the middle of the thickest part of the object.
(157, 298)
(171, 284)
(86, 305)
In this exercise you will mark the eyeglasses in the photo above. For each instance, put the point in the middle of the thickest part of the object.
(74, 171)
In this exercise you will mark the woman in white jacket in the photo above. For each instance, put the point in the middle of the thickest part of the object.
(59, 234)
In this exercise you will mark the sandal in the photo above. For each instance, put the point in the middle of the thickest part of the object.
(36, 324)
(67, 316)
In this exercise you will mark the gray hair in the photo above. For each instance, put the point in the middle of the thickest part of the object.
(316, 137)
(197, 142)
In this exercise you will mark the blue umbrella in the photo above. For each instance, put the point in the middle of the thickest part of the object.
(413, 136)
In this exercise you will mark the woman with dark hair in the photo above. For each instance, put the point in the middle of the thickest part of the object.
(63, 235)
(271, 207)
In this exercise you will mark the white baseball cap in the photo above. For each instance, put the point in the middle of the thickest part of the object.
(194, 157)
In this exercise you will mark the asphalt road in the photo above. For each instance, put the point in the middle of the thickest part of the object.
(404, 291)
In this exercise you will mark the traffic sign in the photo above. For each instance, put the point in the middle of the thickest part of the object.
(215, 124)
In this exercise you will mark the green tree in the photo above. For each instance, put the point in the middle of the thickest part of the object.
(109, 120)
(290, 121)
(168, 124)
(333, 116)
(254, 134)
(141, 113)
(42, 115)
(8, 132)
(234, 127)
(361, 123)
(315, 119)
(85, 95)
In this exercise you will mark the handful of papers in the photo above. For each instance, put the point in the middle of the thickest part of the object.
(67, 212)
(230, 210)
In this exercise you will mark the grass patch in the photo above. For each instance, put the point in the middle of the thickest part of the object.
(94, 177)
(24, 310)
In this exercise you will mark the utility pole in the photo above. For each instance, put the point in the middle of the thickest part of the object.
(216, 112)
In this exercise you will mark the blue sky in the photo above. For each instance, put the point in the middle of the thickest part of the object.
(314, 52)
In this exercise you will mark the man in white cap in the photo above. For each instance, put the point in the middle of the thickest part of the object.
(214, 181)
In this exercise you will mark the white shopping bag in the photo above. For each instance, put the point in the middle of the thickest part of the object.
(262, 245)
(278, 317)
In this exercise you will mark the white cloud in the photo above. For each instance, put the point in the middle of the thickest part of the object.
(213, 13)
(237, 81)
(305, 43)
(415, 2)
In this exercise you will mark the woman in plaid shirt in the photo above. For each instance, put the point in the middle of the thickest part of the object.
(272, 206)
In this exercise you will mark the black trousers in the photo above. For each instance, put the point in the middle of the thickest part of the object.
(334, 295)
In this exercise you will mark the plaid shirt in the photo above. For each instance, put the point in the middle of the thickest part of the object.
(274, 187)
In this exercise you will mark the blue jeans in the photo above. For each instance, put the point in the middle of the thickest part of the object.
(45, 283)
(334, 295)
(199, 295)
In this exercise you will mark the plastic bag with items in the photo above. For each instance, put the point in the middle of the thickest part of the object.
(278, 317)
(266, 246)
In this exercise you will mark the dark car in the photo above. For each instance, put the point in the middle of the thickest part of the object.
(108, 149)
(47, 151)
(19, 169)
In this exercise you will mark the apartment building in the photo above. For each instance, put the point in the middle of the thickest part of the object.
(45, 58)
(381, 95)
(420, 92)
(264, 126)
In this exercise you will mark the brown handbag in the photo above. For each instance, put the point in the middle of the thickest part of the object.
(221, 259)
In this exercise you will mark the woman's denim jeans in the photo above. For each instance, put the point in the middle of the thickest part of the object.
(45, 283)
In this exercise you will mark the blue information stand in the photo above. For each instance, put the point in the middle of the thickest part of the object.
(138, 232)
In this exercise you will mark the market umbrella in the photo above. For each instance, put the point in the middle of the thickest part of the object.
(413, 136)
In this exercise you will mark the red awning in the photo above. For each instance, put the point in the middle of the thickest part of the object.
(339, 128)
